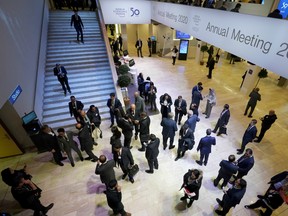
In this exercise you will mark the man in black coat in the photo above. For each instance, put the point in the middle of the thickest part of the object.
(168, 130)
(78, 25)
(127, 127)
(228, 168)
(134, 115)
(114, 198)
(185, 142)
(144, 130)
(86, 142)
(104, 168)
(245, 163)
(49, 140)
(267, 121)
(115, 107)
(152, 152)
(124, 158)
(205, 147)
(180, 109)
(232, 197)
(61, 74)
(66, 142)
(75, 107)
(138, 46)
(254, 97)
(223, 121)
(95, 120)
(249, 135)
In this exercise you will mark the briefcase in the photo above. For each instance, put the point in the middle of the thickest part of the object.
(133, 170)
(223, 130)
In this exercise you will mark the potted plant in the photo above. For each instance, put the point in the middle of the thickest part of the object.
(123, 69)
(203, 49)
(263, 73)
(123, 82)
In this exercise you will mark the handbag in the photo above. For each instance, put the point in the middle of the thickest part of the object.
(131, 62)
(133, 170)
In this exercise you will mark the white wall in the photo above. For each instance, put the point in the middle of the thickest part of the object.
(20, 24)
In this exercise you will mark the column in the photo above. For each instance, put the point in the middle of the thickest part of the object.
(198, 52)
(250, 79)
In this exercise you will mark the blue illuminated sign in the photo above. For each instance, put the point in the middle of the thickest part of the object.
(283, 7)
(15, 94)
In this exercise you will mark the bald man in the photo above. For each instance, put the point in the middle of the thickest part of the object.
(104, 168)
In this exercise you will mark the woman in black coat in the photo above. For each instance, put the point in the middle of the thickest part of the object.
(192, 182)
(166, 102)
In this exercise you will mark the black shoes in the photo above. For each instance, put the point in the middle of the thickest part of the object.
(48, 208)
(131, 180)
(219, 202)
(93, 160)
(190, 204)
(250, 116)
(199, 162)
(111, 125)
(141, 149)
(171, 146)
(177, 158)
(60, 164)
(149, 171)
(247, 207)
(88, 158)
(63, 158)
(257, 141)
(136, 137)
(81, 158)
(217, 211)
(260, 196)
(183, 198)
(215, 184)
(72, 164)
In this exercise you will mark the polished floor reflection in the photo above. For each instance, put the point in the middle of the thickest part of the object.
(77, 191)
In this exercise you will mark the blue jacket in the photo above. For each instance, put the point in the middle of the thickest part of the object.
(169, 127)
(205, 144)
(192, 122)
(250, 134)
(245, 164)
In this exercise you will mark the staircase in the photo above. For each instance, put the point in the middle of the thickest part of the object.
(87, 65)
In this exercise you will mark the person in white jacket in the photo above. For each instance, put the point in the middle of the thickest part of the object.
(211, 101)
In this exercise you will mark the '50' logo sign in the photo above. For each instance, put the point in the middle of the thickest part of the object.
(134, 11)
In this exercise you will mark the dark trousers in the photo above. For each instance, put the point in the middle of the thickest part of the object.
(119, 211)
(210, 73)
(174, 60)
(153, 163)
(69, 153)
(79, 31)
(252, 106)
(64, 83)
(150, 51)
(153, 103)
(126, 172)
(260, 203)
(112, 116)
(181, 150)
(90, 153)
(244, 143)
(36, 206)
(262, 133)
(139, 51)
(127, 140)
(165, 139)
(217, 126)
(205, 157)
(57, 156)
(219, 177)
(178, 114)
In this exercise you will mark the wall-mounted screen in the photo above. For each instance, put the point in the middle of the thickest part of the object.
(153, 38)
(29, 117)
(183, 47)
(182, 35)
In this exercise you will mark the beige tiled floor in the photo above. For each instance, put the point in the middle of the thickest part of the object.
(77, 191)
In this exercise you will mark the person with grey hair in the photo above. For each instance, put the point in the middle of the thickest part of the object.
(205, 147)
(168, 130)
(211, 101)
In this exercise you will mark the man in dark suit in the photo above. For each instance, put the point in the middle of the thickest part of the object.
(49, 139)
(127, 127)
(249, 135)
(152, 152)
(197, 88)
(104, 168)
(222, 121)
(114, 197)
(185, 142)
(227, 169)
(78, 25)
(86, 142)
(124, 158)
(232, 197)
(138, 45)
(180, 109)
(61, 74)
(267, 122)
(254, 97)
(115, 107)
(95, 120)
(75, 107)
(192, 121)
(66, 142)
(205, 147)
(245, 163)
(134, 115)
(144, 130)
(168, 130)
